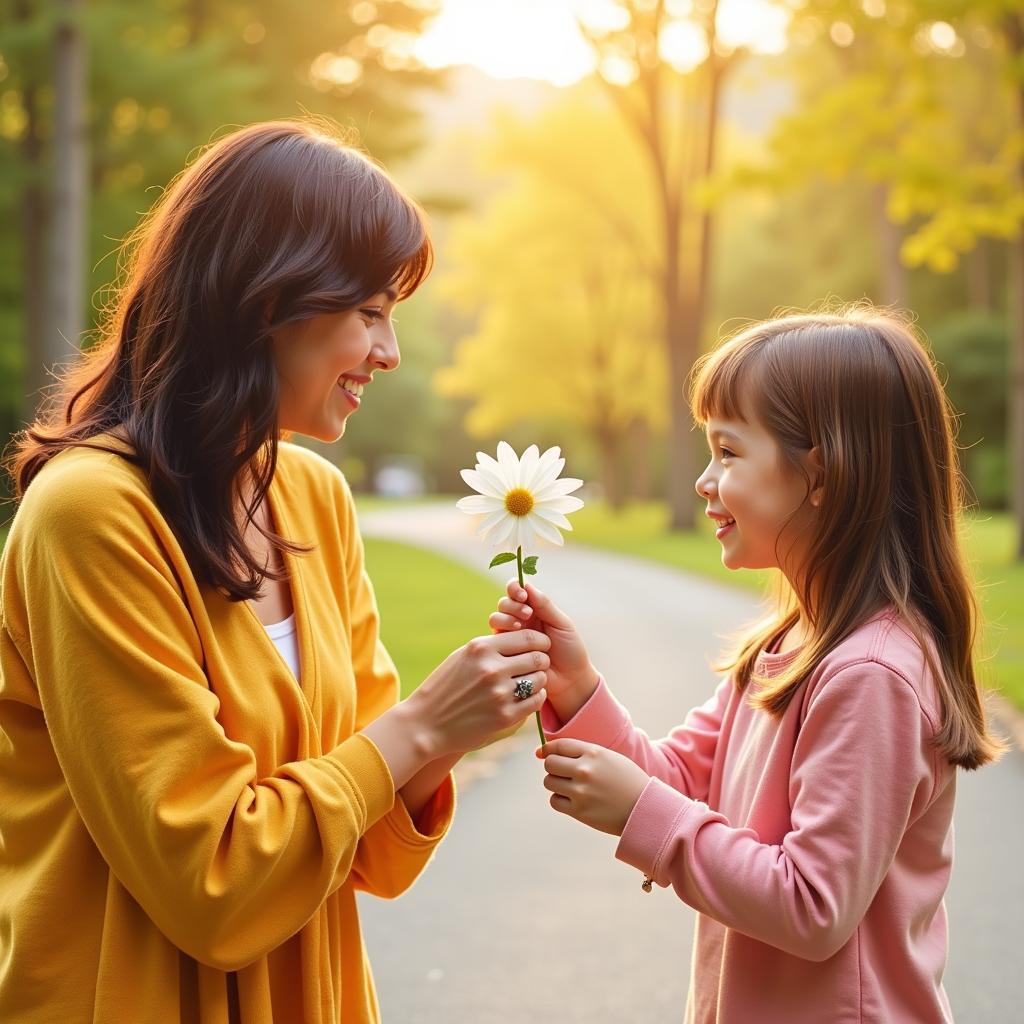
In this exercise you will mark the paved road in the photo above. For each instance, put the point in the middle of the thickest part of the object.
(525, 915)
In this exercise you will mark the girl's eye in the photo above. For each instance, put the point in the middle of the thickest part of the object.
(726, 453)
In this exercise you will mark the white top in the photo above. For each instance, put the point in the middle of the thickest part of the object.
(286, 641)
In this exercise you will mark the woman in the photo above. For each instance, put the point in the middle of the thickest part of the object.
(189, 804)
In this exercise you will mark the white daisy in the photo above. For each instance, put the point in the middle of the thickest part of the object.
(521, 500)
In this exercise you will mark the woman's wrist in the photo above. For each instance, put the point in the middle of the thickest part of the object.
(405, 740)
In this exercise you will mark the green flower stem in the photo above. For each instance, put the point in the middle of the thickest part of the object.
(519, 565)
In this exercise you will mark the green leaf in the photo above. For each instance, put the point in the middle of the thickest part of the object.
(530, 565)
(505, 556)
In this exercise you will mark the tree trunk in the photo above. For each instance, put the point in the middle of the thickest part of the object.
(610, 448)
(640, 441)
(34, 220)
(979, 277)
(1014, 27)
(892, 286)
(1015, 295)
(70, 197)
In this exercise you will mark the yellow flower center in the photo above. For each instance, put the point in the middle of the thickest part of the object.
(519, 501)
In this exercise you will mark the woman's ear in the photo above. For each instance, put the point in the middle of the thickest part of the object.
(816, 473)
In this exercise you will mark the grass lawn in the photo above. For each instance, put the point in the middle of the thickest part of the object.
(641, 531)
(428, 606)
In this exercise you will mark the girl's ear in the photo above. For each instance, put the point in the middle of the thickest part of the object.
(816, 471)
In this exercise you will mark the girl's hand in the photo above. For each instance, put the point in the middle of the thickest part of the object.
(571, 678)
(592, 784)
(469, 698)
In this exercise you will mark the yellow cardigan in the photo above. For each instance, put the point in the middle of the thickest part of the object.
(183, 825)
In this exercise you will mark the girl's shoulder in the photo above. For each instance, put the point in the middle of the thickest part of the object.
(888, 652)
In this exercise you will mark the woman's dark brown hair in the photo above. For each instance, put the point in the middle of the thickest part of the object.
(274, 223)
(859, 386)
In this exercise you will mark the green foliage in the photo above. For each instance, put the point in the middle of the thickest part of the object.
(166, 78)
(972, 349)
(429, 606)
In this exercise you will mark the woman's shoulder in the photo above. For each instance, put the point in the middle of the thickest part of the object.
(304, 469)
(84, 486)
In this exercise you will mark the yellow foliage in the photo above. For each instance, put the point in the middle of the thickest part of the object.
(560, 271)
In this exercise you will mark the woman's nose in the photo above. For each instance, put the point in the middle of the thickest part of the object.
(385, 354)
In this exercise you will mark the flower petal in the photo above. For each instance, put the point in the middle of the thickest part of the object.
(528, 466)
(557, 488)
(481, 484)
(496, 478)
(548, 475)
(523, 535)
(490, 522)
(502, 532)
(540, 471)
(509, 463)
(565, 505)
(552, 516)
(545, 530)
(485, 462)
(477, 504)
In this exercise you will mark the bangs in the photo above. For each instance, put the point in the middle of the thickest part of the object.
(724, 381)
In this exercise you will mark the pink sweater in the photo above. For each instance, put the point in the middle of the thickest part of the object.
(815, 847)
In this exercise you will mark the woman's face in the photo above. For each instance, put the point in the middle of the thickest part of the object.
(316, 357)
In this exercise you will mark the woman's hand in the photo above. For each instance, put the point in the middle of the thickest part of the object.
(592, 784)
(571, 679)
(469, 697)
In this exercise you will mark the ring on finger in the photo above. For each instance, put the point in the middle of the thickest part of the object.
(524, 688)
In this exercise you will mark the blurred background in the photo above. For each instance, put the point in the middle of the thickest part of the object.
(612, 185)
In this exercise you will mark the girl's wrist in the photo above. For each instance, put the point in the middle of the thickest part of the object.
(568, 704)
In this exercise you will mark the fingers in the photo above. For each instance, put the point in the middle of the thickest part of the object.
(542, 605)
(502, 623)
(518, 642)
(515, 608)
(562, 767)
(527, 664)
(554, 784)
(563, 747)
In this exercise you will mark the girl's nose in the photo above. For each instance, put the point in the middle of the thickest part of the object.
(705, 485)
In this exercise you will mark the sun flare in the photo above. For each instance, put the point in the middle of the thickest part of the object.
(540, 38)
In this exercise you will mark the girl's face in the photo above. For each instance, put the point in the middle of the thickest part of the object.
(316, 357)
(752, 494)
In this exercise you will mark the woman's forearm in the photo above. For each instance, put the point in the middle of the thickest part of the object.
(419, 790)
(404, 740)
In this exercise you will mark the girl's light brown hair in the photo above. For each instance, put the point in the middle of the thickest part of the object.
(858, 385)
(275, 223)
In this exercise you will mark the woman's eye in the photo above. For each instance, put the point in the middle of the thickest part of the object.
(372, 314)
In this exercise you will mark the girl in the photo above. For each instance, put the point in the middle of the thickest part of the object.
(202, 756)
(805, 810)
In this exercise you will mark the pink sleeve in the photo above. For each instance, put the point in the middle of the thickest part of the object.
(683, 759)
(862, 767)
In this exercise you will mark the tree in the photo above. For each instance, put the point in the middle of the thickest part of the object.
(163, 79)
(556, 266)
(925, 99)
(673, 116)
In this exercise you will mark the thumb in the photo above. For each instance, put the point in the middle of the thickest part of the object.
(546, 609)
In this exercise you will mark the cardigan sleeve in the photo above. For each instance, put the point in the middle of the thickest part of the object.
(682, 760)
(863, 767)
(226, 863)
(394, 852)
